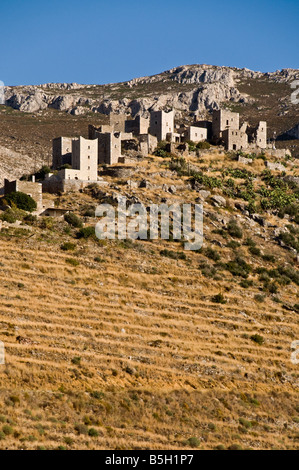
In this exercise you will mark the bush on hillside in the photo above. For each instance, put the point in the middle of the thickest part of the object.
(21, 201)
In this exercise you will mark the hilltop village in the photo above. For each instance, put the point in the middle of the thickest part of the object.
(75, 160)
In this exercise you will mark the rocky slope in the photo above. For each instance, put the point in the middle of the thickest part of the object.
(125, 345)
(194, 88)
(34, 115)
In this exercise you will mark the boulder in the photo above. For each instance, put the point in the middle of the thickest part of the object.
(218, 201)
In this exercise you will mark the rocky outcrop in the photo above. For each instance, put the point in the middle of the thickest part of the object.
(204, 88)
(28, 103)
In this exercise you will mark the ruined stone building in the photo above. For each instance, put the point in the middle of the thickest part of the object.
(109, 147)
(62, 152)
(117, 122)
(226, 128)
(235, 139)
(31, 188)
(137, 126)
(258, 135)
(84, 162)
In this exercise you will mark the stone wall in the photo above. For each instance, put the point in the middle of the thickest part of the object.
(28, 187)
(117, 122)
(62, 152)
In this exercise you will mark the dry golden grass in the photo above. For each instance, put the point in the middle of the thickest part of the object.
(133, 345)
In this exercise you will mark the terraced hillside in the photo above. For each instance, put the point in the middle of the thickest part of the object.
(142, 345)
(34, 115)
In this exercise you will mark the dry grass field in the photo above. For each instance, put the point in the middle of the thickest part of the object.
(120, 345)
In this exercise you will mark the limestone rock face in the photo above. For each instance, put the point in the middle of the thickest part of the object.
(204, 88)
(203, 74)
(34, 101)
(63, 103)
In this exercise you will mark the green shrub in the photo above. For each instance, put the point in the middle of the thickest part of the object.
(68, 246)
(212, 254)
(89, 212)
(191, 146)
(254, 250)
(234, 230)
(238, 267)
(81, 429)
(30, 219)
(290, 240)
(73, 220)
(86, 232)
(233, 244)
(268, 257)
(257, 339)
(173, 254)
(244, 422)
(219, 299)
(93, 432)
(161, 153)
(203, 145)
(76, 361)
(72, 261)
(208, 181)
(21, 201)
(9, 216)
(259, 298)
(41, 174)
(207, 270)
(193, 442)
(7, 430)
(235, 447)
(246, 283)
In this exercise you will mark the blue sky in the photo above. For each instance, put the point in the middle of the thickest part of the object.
(105, 41)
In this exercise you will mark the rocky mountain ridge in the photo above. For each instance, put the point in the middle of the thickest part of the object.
(202, 89)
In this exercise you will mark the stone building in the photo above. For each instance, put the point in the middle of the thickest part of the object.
(223, 120)
(109, 147)
(117, 122)
(161, 124)
(196, 134)
(94, 131)
(235, 139)
(84, 161)
(85, 158)
(137, 126)
(31, 188)
(62, 152)
(261, 135)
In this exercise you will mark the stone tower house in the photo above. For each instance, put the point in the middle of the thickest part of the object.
(223, 120)
(161, 124)
(85, 158)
